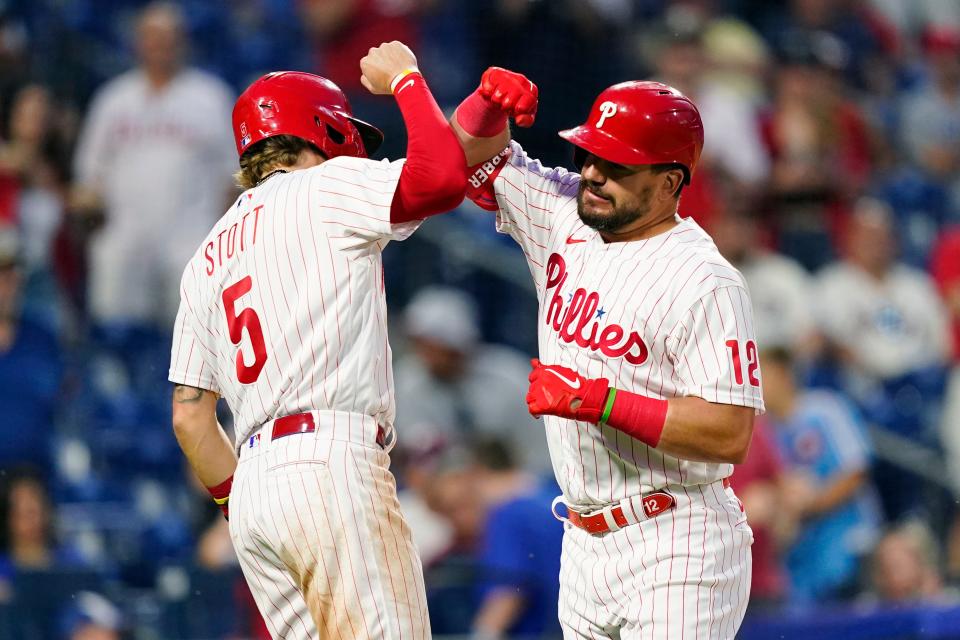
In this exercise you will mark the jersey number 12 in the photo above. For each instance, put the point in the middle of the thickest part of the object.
(752, 363)
(237, 322)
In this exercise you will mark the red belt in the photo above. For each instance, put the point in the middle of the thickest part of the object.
(305, 423)
(651, 504)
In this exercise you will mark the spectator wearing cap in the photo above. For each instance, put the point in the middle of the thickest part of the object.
(31, 370)
(729, 99)
(821, 436)
(719, 64)
(452, 386)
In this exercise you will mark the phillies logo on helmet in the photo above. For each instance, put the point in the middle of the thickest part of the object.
(607, 110)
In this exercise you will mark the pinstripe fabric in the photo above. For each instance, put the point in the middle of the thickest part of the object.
(310, 241)
(680, 296)
(664, 317)
(321, 540)
(282, 311)
(685, 574)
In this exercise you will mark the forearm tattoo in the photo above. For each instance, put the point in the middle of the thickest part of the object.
(187, 395)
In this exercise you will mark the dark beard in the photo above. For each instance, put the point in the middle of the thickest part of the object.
(618, 219)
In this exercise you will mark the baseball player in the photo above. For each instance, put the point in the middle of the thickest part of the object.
(648, 379)
(283, 315)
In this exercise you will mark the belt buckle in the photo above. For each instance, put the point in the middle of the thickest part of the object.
(597, 521)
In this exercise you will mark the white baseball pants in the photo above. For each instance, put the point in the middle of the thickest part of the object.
(682, 575)
(322, 543)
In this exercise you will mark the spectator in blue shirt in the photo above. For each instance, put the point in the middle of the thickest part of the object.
(820, 434)
(519, 554)
(31, 370)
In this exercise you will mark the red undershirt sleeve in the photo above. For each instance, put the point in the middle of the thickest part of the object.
(434, 178)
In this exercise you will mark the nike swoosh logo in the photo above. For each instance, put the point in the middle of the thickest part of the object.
(405, 85)
(574, 384)
(572, 240)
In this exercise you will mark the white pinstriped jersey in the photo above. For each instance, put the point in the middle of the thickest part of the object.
(664, 317)
(282, 308)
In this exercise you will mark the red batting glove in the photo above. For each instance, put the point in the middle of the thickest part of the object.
(555, 389)
(512, 92)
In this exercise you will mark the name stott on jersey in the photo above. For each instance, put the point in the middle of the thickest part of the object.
(664, 317)
(283, 307)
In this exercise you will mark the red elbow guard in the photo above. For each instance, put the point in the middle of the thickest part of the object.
(480, 180)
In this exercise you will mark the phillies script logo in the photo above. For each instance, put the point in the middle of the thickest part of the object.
(577, 322)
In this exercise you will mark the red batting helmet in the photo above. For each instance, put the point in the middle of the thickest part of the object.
(640, 123)
(306, 106)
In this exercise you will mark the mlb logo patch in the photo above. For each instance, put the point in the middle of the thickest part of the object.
(253, 441)
(245, 137)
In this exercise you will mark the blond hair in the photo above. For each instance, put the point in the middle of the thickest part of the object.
(269, 155)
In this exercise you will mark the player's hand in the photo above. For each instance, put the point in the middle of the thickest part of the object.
(384, 63)
(560, 391)
(513, 92)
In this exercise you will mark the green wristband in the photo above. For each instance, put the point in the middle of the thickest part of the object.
(609, 406)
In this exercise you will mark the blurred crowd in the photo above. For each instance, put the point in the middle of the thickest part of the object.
(830, 178)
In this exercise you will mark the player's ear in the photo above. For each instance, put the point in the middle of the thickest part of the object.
(671, 181)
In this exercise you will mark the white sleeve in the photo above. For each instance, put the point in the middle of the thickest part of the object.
(353, 196)
(93, 147)
(713, 349)
(191, 361)
(530, 197)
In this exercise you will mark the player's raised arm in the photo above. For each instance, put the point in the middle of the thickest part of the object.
(434, 178)
(480, 121)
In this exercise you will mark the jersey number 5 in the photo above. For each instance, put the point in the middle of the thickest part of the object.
(752, 363)
(236, 323)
